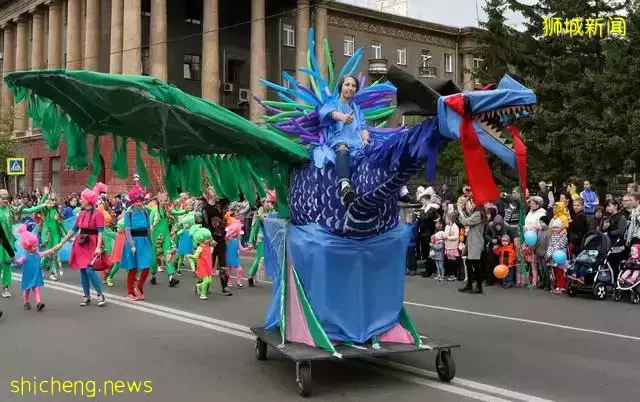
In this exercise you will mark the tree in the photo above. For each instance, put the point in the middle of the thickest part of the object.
(567, 136)
(494, 46)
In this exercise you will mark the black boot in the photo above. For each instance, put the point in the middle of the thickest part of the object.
(467, 288)
(478, 288)
(347, 195)
(251, 283)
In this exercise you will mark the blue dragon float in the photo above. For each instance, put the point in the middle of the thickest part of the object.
(338, 269)
(347, 261)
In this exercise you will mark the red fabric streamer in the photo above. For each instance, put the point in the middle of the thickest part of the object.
(476, 165)
(521, 155)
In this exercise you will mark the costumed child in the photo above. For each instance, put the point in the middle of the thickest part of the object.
(437, 254)
(6, 250)
(116, 253)
(31, 263)
(506, 253)
(185, 240)
(137, 252)
(204, 261)
(233, 236)
(557, 242)
(257, 237)
(631, 267)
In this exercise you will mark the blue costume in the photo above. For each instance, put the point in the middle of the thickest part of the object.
(32, 272)
(338, 132)
(137, 221)
(185, 244)
(233, 255)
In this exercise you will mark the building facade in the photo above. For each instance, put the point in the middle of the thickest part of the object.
(215, 49)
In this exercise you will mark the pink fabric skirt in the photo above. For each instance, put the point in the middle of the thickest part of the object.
(82, 254)
(452, 253)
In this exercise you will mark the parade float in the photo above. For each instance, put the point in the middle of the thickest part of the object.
(338, 271)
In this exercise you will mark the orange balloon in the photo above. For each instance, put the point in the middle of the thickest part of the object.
(501, 271)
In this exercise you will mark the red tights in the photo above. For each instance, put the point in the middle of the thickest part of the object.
(131, 278)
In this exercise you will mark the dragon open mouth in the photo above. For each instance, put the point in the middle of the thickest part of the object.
(493, 121)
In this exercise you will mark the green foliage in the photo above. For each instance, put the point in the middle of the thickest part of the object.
(7, 143)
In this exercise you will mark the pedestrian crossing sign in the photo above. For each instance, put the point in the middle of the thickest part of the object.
(15, 166)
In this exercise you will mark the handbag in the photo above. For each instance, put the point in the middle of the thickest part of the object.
(101, 262)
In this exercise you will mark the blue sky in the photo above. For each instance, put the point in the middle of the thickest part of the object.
(458, 13)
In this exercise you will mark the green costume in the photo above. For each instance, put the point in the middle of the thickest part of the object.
(161, 242)
(200, 236)
(256, 238)
(51, 233)
(116, 264)
(6, 220)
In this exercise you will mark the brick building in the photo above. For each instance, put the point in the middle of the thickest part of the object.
(216, 49)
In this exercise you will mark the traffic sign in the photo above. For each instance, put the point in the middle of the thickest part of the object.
(15, 167)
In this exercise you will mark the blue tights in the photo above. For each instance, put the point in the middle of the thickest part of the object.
(86, 275)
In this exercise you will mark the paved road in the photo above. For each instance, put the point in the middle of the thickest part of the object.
(517, 345)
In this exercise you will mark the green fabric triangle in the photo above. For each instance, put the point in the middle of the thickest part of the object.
(407, 323)
(317, 333)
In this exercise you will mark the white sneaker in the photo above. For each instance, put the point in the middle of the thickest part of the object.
(5, 293)
(53, 277)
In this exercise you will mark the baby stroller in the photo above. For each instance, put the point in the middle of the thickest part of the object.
(590, 271)
(627, 285)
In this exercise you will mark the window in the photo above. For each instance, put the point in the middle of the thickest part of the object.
(193, 12)
(234, 70)
(402, 55)
(146, 8)
(37, 174)
(349, 45)
(191, 67)
(376, 50)
(477, 63)
(146, 63)
(448, 63)
(425, 56)
(288, 35)
(286, 83)
(55, 174)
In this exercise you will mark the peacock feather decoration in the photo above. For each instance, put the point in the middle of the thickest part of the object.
(296, 115)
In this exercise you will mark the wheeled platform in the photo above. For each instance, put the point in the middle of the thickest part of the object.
(303, 355)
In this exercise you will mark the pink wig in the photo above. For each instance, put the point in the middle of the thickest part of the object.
(27, 239)
(136, 194)
(271, 196)
(234, 229)
(89, 196)
(101, 188)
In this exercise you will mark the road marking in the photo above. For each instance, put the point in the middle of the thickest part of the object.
(516, 319)
(399, 371)
(456, 381)
(524, 320)
(436, 385)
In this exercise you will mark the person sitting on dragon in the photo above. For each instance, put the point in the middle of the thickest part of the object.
(344, 129)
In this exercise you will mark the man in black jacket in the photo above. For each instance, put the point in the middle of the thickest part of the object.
(7, 246)
(213, 219)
